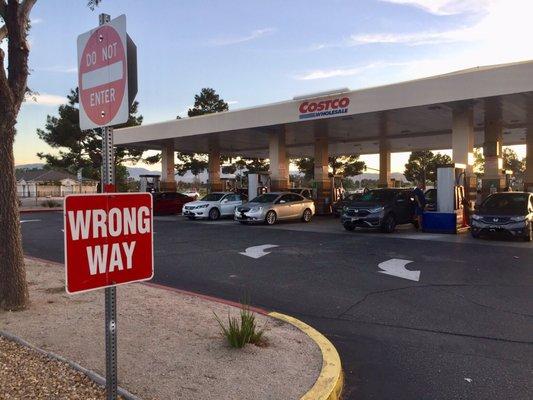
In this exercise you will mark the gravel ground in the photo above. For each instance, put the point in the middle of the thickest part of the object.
(169, 343)
(27, 374)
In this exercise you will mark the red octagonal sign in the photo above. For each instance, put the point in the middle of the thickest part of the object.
(108, 240)
(103, 75)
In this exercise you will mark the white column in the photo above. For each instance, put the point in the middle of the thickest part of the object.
(463, 136)
(279, 165)
(321, 170)
(168, 179)
(215, 184)
(492, 146)
(384, 164)
(528, 176)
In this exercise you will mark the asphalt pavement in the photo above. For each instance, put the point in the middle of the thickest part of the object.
(460, 328)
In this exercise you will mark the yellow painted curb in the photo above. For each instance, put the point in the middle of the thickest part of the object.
(329, 384)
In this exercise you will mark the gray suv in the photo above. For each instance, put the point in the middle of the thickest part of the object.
(381, 208)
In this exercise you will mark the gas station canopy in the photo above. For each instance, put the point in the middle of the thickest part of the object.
(412, 115)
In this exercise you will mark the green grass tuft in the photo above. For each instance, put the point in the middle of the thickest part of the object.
(243, 330)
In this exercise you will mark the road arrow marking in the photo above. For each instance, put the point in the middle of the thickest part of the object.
(28, 220)
(258, 251)
(396, 267)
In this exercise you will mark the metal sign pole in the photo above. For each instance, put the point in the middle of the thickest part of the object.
(108, 178)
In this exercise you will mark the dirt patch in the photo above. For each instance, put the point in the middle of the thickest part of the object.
(169, 343)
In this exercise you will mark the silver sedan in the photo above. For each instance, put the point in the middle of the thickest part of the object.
(271, 207)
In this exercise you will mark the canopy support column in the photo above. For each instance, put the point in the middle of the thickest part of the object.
(463, 145)
(493, 178)
(279, 166)
(168, 178)
(528, 175)
(321, 170)
(215, 184)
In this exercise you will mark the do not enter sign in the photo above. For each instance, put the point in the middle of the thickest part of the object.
(103, 75)
(108, 240)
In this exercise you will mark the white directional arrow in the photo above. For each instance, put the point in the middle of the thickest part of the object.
(28, 220)
(258, 251)
(396, 267)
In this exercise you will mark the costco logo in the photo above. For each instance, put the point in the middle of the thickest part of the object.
(325, 108)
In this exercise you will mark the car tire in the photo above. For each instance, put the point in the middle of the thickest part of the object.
(349, 227)
(529, 233)
(271, 217)
(389, 224)
(475, 235)
(214, 214)
(243, 222)
(307, 215)
(191, 218)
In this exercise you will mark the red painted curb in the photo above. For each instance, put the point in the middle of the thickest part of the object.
(181, 291)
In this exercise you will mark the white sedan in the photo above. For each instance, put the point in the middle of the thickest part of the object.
(213, 206)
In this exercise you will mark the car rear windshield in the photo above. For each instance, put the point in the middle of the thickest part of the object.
(378, 196)
(265, 198)
(213, 197)
(506, 203)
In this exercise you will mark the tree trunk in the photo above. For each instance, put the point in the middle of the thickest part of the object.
(13, 286)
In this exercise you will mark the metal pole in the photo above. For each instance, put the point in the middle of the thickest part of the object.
(108, 178)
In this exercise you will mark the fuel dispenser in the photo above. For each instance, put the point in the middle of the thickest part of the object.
(258, 183)
(453, 193)
(149, 183)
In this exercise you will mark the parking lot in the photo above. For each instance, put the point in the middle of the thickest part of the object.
(413, 315)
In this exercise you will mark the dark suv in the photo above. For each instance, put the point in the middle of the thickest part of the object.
(380, 208)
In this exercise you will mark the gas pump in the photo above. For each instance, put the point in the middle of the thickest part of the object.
(258, 183)
(451, 214)
(337, 189)
(149, 183)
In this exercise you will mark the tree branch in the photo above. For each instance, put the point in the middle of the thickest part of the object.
(3, 9)
(3, 32)
(25, 9)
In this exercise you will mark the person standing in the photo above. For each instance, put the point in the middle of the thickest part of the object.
(420, 203)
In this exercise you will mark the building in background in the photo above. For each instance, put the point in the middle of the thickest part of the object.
(51, 183)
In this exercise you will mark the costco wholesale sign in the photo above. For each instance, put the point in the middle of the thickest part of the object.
(108, 240)
(103, 75)
(323, 108)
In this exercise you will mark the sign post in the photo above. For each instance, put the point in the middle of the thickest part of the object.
(107, 82)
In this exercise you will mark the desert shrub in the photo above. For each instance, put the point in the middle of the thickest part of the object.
(242, 330)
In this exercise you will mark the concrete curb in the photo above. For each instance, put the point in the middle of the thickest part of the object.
(36, 210)
(97, 378)
(330, 382)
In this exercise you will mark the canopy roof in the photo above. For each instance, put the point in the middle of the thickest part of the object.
(412, 115)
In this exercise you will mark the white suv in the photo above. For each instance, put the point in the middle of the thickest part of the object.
(213, 206)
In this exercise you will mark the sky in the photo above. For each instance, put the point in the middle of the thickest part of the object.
(254, 52)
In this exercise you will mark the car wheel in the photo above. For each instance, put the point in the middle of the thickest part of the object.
(529, 233)
(214, 214)
(475, 235)
(242, 222)
(348, 227)
(307, 215)
(271, 217)
(191, 218)
(389, 224)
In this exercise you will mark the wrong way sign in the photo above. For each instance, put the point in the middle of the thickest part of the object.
(108, 240)
(104, 69)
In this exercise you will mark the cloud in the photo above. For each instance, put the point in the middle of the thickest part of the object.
(35, 21)
(333, 72)
(232, 102)
(416, 38)
(44, 99)
(59, 68)
(445, 7)
(255, 34)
